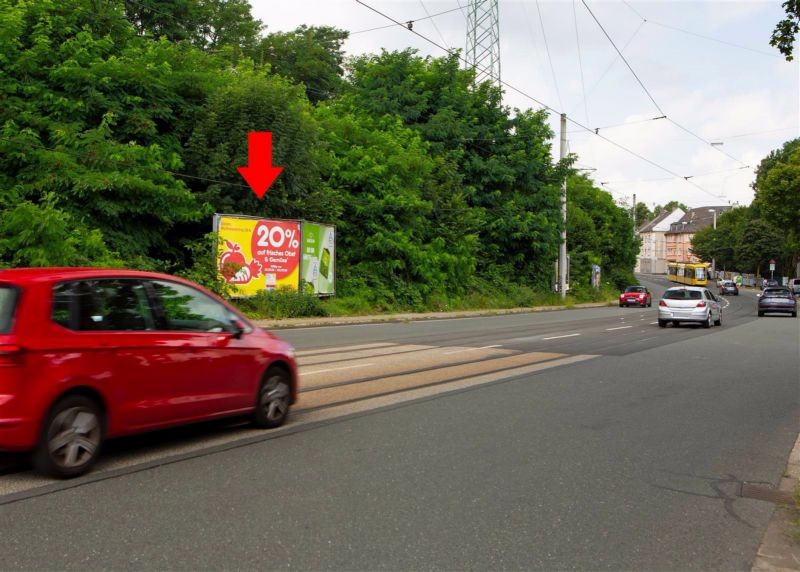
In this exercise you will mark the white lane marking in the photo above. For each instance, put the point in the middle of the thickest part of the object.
(472, 349)
(336, 368)
(645, 339)
(559, 337)
(340, 349)
(651, 323)
(619, 328)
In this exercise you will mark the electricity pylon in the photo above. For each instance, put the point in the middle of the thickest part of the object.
(483, 40)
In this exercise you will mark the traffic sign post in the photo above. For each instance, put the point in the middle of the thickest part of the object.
(771, 268)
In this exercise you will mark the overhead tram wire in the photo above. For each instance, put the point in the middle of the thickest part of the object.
(580, 61)
(613, 61)
(637, 122)
(412, 22)
(678, 125)
(549, 59)
(661, 111)
(709, 38)
(545, 106)
(435, 27)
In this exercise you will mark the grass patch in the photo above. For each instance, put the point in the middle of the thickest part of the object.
(484, 295)
(279, 304)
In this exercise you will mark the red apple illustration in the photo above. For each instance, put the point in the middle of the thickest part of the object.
(232, 261)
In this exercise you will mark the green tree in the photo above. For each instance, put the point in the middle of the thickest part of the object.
(758, 243)
(42, 235)
(312, 56)
(174, 20)
(777, 187)
(598, 232)
(501, 164)
(669, 207)
(643, 214)
(786, 30)
(253, 101)
(73, 126)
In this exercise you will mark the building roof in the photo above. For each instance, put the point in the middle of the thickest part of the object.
(648, 226)
(696, 219)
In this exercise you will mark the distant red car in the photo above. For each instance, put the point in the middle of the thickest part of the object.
(635, 296)
(87, 354)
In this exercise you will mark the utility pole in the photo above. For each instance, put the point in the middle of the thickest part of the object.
(713, 258)
(634, 214)
(562, 248)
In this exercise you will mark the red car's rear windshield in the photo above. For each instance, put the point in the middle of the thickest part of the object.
(8, 303)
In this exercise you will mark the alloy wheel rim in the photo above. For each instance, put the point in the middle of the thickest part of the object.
(275, 398)
(74, 437)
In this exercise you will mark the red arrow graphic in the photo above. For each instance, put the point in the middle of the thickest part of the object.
(259, 173)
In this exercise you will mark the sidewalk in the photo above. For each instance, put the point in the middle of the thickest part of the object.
(779, 552)
(410, 316)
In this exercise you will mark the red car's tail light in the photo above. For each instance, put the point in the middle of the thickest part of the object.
(10, 355)
(701, 304)
(662, 303)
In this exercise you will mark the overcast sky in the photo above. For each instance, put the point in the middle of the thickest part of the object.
(745, 96)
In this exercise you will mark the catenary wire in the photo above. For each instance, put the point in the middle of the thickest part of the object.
(689, 32)
(580, 61)
(428, 17)
(678, 125)
(435, 27)
(613, 61)
(545, 106)
(549, 59)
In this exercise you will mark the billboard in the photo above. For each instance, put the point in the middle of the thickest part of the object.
(258, 254)
(318, 258)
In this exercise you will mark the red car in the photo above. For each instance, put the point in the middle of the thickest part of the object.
(635, 296)
(87, 354)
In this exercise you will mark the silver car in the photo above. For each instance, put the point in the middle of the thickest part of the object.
(689, 304)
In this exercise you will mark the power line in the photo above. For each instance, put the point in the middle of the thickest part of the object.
(545, 106)
(635, 11)
(710, 38)
(692, 133)
(411, 22)
(596, 129)
(435, 27)
(580, 61)
(547, 49)
(614, 60)
(661, 111)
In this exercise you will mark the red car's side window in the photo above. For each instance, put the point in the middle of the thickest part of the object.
(102, 305)
(188, 310)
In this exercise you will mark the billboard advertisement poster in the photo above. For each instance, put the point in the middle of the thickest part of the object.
(258, 254)
(319, 256)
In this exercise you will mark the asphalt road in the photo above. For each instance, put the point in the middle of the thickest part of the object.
(579, 439)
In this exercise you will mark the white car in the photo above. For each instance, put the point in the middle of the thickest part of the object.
(689, 304)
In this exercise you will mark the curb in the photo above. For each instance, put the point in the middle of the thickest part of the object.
(778, 551)
(288, 323)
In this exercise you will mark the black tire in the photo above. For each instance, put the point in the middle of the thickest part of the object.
(621, 306)
(71, 438)
(761, 314)
(707, 323)
(675, 323)
(662, 323)
(794, 314)
(719, 321)
(650, 304)
(273, 399)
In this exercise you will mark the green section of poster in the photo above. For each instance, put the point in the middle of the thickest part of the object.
(319, 258)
